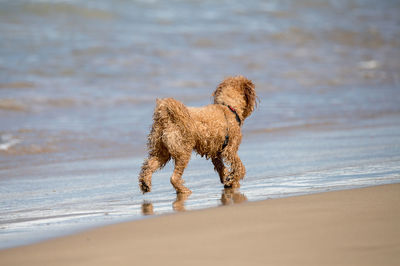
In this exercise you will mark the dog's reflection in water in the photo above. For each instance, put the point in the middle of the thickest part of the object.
(229, 196)
(179, 204)
(232, 196)
(147, 208)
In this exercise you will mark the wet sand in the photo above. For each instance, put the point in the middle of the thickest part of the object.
(350, 227)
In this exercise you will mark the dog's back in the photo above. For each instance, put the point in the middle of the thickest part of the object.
(212, 127)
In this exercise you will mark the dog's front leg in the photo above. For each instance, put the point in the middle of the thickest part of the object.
(237, 172)
(220, 168)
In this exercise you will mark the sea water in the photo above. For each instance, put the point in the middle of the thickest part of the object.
(79, 79)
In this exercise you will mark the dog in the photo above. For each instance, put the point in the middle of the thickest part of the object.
(213, 131)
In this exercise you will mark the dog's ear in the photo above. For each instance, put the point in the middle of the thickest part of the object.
(216, 94)
(250, 97)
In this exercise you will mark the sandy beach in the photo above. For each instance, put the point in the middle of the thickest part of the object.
(350, 227)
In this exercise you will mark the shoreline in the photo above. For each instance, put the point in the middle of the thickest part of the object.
(352, 227)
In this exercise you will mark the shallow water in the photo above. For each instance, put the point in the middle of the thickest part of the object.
(78, 82)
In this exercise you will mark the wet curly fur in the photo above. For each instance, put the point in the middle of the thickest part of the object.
(178, 130)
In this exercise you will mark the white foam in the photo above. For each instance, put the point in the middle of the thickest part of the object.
(7, 141)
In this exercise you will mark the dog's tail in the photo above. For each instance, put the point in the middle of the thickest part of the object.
(169, 115)
(173, 111)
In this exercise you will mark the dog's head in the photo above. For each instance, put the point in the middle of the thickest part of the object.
(237, 92)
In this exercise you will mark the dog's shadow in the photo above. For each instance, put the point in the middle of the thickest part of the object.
(228, 196)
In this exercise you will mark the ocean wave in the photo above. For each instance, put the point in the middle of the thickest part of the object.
(12, 105)
(294, 127)
(7, 141)
(17, 85)
(40, 104)
(70, 8)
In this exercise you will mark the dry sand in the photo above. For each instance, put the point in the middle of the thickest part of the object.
(353, 227)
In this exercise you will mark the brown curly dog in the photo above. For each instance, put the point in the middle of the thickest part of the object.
(212, 131)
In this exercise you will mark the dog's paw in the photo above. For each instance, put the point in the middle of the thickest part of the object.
(230, 182)
(232, 185)
(144, 187)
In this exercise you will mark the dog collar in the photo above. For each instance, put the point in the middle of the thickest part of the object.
(236, 114)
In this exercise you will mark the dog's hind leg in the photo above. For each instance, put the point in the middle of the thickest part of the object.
(150, 165)
(181, 162)
(220, 168)
(237, 172)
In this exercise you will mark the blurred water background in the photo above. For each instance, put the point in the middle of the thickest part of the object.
(79, 79)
